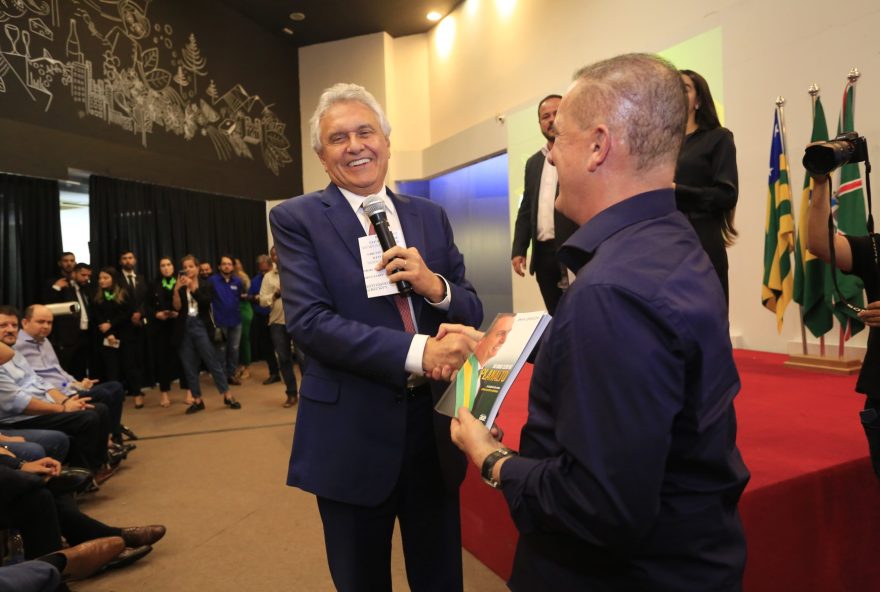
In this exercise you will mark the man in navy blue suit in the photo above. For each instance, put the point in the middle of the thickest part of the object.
(367, 442)
(628, 475)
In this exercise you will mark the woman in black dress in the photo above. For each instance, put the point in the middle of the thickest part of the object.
(706, 180)
(112, 312)
(164, 315)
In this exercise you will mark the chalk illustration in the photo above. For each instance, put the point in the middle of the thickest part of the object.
(140, 82)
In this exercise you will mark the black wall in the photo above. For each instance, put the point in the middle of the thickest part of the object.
(106, 96)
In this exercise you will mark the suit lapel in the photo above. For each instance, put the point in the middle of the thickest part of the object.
(344, 220)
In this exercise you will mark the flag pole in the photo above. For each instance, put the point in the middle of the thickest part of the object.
(851, 78)
(813, 92)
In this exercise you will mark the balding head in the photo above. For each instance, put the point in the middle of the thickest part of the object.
(641, 99)
(37, 321)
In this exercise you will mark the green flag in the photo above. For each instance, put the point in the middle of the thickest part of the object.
(809, 270)
(777, 286)
(851, 220)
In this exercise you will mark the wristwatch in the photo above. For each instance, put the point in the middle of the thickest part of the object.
(489, 464)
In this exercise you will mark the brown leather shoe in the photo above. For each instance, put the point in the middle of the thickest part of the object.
(138, 536)
(85, 559)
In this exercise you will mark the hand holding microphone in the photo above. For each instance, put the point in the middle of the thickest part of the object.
(374, 208)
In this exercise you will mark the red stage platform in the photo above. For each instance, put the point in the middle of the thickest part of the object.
(811, 510)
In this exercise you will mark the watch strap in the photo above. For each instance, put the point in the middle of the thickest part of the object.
(489, 464)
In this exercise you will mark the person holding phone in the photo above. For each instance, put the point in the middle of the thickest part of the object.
(192, 299)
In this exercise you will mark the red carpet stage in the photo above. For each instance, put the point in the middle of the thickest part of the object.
(811, 510)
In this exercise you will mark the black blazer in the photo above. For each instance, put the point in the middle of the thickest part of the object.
(526, 227)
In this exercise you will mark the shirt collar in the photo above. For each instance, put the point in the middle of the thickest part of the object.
(579, 248)
(356, 201)
(25, 337)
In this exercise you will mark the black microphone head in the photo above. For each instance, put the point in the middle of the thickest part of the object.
(374, 204)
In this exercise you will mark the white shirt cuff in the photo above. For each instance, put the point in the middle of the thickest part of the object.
(416, 354)
(443, 304)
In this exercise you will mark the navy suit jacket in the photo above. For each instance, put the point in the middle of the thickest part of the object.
(352, 419)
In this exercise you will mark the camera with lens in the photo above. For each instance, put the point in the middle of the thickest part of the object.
(820, 158)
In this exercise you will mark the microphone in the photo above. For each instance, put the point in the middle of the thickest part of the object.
(374, 208)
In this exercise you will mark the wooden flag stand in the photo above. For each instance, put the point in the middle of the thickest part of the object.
(825, 364)
(839, 364)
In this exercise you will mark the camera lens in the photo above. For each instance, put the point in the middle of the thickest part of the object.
(823, 157)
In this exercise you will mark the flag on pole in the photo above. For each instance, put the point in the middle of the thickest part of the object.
(851, 220)
(809, 270)
(777, 287)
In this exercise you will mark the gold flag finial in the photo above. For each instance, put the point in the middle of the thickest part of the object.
(813, 90)
(854, 75)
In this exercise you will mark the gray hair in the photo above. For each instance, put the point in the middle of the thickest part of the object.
(339, 92)
(641, 97)
(263, 259)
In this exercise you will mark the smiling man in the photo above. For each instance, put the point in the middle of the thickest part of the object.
(367, 441)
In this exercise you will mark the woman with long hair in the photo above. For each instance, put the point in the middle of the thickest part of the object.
(161, 307)
(112, 312)
(706, 179)
(191, 299)
(243, 372)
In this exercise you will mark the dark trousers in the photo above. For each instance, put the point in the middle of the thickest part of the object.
(74, 357)
(87, 429)
(283, 345)
(358, 538)
(112, 395)
(167, 360)
(263, 347)
(548, 272)
(42, 519)
(870, 417)
(195, 348)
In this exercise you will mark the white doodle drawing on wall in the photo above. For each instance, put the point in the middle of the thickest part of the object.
(132, 90)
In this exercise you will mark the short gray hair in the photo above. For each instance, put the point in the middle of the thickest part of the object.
(642, 98)
(339, 92)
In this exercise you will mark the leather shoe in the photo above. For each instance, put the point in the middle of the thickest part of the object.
(86, 558)
(114, 457)
(291, 401)
(273, 378)
(195, 408)
(70, 480)
(127, 432)
(128, 556)
(138, 536)
(231, 403)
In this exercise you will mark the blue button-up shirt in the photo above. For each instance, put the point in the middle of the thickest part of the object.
(227, 296)
(18, 385)
(42, 359)
(629, 476)
(254, 290)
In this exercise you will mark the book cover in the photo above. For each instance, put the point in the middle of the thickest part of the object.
(483, 381)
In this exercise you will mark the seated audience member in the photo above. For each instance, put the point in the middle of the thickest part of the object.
(42, 518)
(34, 444)
(32, 342)
(195, 329)
(45, 574)
(27, 401)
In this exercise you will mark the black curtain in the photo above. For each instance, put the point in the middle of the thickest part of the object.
(30, 238)
(155, 222)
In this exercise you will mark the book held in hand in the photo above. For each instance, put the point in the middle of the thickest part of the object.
(483, 381)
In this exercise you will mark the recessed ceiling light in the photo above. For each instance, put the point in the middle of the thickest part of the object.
(288, 30)
(434, 16)
(297, 16)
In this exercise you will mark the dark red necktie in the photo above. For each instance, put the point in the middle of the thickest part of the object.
(402, 304)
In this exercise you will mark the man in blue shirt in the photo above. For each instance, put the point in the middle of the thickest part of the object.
(228, 292)
(628, 476)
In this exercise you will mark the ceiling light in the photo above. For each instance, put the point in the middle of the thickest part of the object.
(288, 30)
(434, 16)
(297, 16)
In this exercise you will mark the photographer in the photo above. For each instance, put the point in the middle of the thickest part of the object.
(856, 255)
